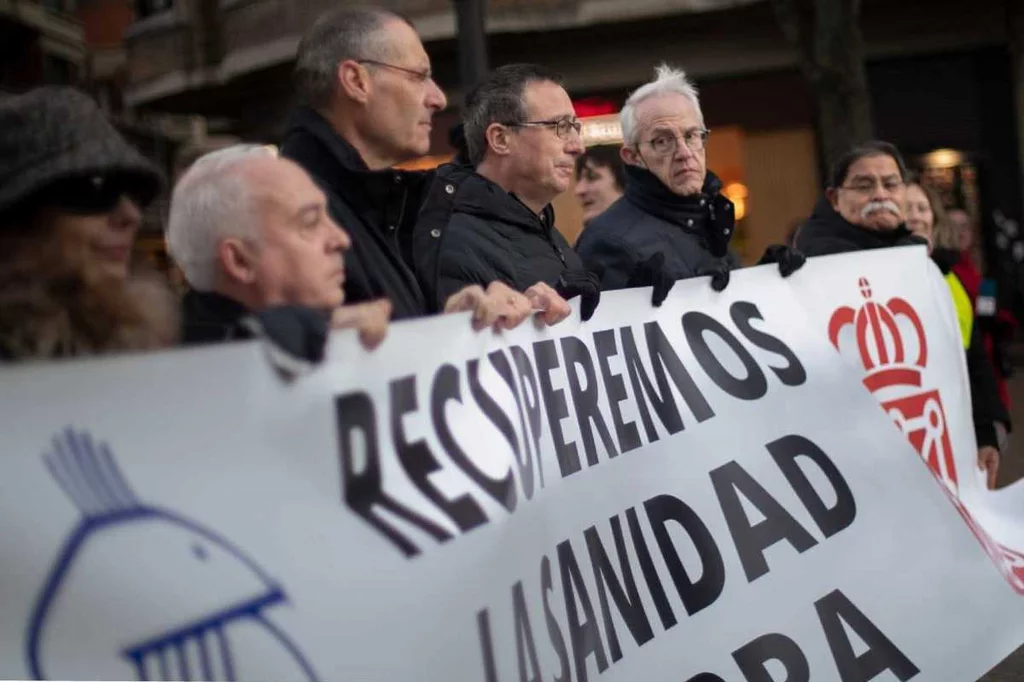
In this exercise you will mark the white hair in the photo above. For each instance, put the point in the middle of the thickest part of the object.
(210, 203)
(667, 80)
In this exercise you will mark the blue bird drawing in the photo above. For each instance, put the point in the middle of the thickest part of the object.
(139, 592)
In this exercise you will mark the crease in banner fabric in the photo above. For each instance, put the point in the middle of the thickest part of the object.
(703, 492)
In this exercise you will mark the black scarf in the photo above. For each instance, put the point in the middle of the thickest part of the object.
(708, 215)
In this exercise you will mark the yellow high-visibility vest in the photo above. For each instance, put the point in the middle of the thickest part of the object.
(964, 308)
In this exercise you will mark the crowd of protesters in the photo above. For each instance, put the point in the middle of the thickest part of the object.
(324, 232)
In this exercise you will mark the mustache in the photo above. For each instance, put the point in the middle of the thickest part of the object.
(885, 205)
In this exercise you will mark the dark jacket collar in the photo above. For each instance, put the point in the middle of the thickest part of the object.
(826, 222)
(307, 121)
(316, 146)
(708, 215)
(209, 317)
(645, 186)
(945, 259)
(479, 196)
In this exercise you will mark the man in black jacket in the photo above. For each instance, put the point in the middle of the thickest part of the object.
(673, 221)
(368, 99)
(864, 209)
(495, 222)
(863, 205)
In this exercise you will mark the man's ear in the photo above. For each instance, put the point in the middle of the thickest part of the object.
(354, 80)
(832, 194)
(631, 156)
(499, 139)
(237, 260)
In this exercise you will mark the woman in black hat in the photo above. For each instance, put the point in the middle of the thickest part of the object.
(71, 195)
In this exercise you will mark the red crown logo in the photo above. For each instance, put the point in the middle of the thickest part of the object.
(882, 347)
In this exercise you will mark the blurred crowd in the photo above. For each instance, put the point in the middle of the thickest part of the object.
(323, 231)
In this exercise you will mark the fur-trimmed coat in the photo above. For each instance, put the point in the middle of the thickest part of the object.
(70, 316)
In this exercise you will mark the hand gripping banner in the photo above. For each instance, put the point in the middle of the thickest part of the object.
(703, 492)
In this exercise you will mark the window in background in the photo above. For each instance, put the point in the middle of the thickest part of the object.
(147, 8)
(65, 6)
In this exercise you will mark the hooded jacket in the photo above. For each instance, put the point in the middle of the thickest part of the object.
(377, 208)
(471, 231)
(693, 232)
(826, 232)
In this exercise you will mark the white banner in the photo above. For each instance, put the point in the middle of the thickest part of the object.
(702, 492)
(891, 316)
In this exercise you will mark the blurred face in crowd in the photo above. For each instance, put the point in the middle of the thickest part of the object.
(670, 143)
(920, 218)
(596, 189)
(544, 156)
(298, 258)
(94, 222)
(872, 195)
(402, 97)
(961, 221)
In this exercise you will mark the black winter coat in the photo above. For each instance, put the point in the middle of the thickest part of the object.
(826, 232)
(693, 232)
(377, 208)
(986, 406)
(471, 231)
(208, 317)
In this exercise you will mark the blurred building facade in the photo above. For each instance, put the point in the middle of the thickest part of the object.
(944, 75)
(41, 41)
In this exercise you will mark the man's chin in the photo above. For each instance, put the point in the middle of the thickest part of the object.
(687, 189)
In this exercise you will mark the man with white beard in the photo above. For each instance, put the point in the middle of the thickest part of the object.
(863, 205)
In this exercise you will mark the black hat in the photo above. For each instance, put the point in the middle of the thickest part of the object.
(52, 133)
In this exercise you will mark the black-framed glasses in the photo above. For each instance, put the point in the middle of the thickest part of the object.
(562, 126)
(418, 76)
(93, 194)
(695, 139)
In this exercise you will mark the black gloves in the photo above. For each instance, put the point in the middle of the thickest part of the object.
(651, 273)
(582, 283)
(719, 275)
(789, 259)
(297, 336)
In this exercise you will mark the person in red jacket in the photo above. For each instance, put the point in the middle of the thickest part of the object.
(967, 271)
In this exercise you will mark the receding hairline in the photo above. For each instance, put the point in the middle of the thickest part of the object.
(658, 96)
(876, 155)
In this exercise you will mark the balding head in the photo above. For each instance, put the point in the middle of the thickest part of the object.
(210, 203)
(254, 226)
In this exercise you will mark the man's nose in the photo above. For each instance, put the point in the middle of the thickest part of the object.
(435, 99)
(880, 192)
(340, 241)
(683, 152)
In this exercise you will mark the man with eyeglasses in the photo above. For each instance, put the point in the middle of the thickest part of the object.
(673, 222)
(492, 219)
(367, 102)
(863, 205)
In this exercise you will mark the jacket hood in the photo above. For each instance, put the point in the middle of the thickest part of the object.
(476, 195)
